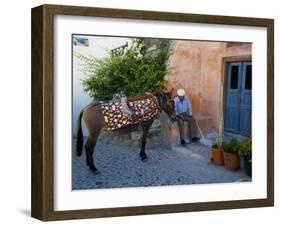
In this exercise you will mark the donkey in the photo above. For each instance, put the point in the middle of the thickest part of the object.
(94, 120)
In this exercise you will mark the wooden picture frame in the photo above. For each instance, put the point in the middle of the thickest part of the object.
(42, 203)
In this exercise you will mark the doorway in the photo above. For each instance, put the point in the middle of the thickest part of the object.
(238, 106)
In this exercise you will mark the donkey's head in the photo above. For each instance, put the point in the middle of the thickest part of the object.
(166, 103)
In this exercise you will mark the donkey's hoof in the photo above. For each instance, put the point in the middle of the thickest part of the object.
(144, 158)
(96, 172)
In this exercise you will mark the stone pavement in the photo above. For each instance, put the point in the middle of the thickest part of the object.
(120, 166)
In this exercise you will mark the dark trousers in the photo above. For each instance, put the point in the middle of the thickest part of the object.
(191, 126)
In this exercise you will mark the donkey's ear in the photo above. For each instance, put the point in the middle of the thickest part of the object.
(154, 92)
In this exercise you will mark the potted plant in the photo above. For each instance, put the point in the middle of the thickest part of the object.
(245, 151)
(230, 155)
(217, 154)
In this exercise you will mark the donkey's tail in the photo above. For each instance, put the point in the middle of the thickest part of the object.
(79, 142)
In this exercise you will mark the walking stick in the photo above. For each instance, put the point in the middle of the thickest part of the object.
(201, 134)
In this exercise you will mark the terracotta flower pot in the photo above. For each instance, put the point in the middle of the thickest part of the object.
(231, 161)
(217, 156)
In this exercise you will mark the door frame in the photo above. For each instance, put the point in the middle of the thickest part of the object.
(223, 93)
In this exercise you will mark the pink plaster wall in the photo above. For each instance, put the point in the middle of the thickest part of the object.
(196, 66)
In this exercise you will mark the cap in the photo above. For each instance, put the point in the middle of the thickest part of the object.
(181, 92)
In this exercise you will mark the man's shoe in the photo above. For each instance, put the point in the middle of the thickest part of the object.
(183, 143)
(195, 139)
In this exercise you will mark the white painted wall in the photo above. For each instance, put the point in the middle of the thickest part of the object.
(99, 47)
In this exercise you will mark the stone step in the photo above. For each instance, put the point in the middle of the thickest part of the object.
(171, 132)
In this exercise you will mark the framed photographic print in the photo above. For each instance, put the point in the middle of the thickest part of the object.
(141, 112)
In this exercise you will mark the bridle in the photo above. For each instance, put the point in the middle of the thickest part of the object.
(162, 100)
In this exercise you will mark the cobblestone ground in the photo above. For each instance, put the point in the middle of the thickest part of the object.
(121, 166)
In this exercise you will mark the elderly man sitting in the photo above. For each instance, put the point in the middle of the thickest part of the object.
(183, 111)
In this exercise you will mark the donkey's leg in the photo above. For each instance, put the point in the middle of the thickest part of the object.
(143, 155)
(145, 129)
(86, 148)
(90, 147)
(94, 122)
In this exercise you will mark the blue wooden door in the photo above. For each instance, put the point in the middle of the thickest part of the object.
(246, 100)
(238, 98)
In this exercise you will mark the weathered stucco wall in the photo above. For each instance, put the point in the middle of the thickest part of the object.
(197, 67)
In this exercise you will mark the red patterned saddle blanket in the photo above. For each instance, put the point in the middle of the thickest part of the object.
(143, 108)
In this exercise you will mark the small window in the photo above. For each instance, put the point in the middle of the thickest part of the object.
(248, 78)
(234, 77)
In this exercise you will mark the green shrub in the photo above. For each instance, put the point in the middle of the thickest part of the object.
(231, 147)
(245, 148)
(224, 145)
(217, 146)
(133, 73)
